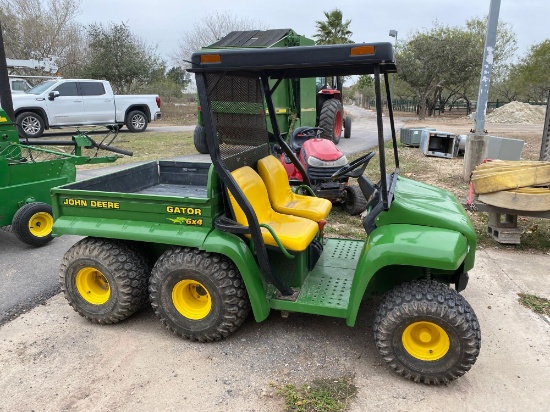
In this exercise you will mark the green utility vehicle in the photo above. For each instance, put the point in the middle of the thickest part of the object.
(298, 102)
(28, 172)
(230, 236)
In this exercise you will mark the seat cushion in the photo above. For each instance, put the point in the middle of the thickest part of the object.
(295, 233)
(283, 199)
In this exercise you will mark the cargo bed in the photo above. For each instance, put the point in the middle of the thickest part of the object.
(166, 195)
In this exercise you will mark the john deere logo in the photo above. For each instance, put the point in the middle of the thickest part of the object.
(3, 119)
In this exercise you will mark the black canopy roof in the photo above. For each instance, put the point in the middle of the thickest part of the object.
(301, 61)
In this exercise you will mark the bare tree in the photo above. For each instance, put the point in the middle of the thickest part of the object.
(41, 29)
(208, 30)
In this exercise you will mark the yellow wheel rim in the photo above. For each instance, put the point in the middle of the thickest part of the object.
(426, 341)
(40, 224)
(93, 286)
(191, 299)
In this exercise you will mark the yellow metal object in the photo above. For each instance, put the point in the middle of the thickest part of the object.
(426, 341)
(93, 286)
(191, 299)
(41, 224)
(504, 175)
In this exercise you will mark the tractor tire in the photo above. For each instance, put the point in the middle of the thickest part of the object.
(33, 223)
(199, 138)
(198, 295)
(331, 119)
(136, 121)
(104, 280)
(30, 125)
(354, 202)
(347, 127)
(427, 332)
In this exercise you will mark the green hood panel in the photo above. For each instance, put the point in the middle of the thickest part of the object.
(417, 203)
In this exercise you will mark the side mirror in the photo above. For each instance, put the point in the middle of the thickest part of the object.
(53, 95)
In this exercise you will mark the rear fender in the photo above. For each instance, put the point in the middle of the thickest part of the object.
(236, 249)
(407, 246)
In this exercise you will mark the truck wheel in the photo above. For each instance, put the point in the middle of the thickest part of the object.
(30, 124)
(198, 295)
(33, 223)
(136, 121)
(199, 138)
(354, 202)
(347, 127)
(427, 332)
(104, 280)
(331, 119)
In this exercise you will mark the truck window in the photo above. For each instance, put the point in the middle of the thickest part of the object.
(67, 89)
(92, 88)
(19, 85)
(42, 87)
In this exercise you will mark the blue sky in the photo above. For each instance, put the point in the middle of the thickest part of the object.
(162, 22)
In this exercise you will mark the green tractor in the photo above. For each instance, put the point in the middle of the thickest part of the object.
(206, 243)
(28, 172)
(298, 102)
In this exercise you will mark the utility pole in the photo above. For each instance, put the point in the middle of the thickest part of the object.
(476, 145)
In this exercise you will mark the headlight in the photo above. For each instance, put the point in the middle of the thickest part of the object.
(313, 161)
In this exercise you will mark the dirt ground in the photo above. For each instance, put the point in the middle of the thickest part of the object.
(51, 359)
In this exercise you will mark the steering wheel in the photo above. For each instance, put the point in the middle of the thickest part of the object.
(362, 161)
(310, 131)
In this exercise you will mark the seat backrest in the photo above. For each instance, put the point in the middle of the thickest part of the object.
(276, 180)
(255, 191)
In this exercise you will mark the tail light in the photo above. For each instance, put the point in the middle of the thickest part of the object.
(158, 102)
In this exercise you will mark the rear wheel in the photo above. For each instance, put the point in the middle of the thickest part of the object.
(427, 332)
(104, 280)
(199, 138)
(347, 127)
(136, 121)
(30, 125)
(354, 202)
(33, 224)
(198, 295)
(331, 120)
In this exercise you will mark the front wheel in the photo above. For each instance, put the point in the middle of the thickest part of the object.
(30, 125)
(427, 332)
(354, 201)
(198, 295)
(347, 127)
(33, 224)
(136, 121)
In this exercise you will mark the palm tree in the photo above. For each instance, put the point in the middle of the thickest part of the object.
(333, 30)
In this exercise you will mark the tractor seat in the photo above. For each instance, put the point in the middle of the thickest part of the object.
(295, 233)
(283, 199)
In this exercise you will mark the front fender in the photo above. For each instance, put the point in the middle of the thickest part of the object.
(236, 249)
(407, 245)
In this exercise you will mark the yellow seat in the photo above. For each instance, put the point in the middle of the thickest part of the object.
(283, 199)
(295, 233)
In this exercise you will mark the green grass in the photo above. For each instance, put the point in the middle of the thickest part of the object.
(321, 395)
(535, 303)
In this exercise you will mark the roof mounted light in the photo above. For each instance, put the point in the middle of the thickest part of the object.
(361, 50)
(210, 58)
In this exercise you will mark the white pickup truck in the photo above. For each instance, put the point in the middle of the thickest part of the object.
(76, 102)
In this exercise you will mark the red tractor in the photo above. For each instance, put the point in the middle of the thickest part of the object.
(320, 159)
(330, 109)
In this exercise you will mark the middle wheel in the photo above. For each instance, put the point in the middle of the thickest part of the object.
(198, 295)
